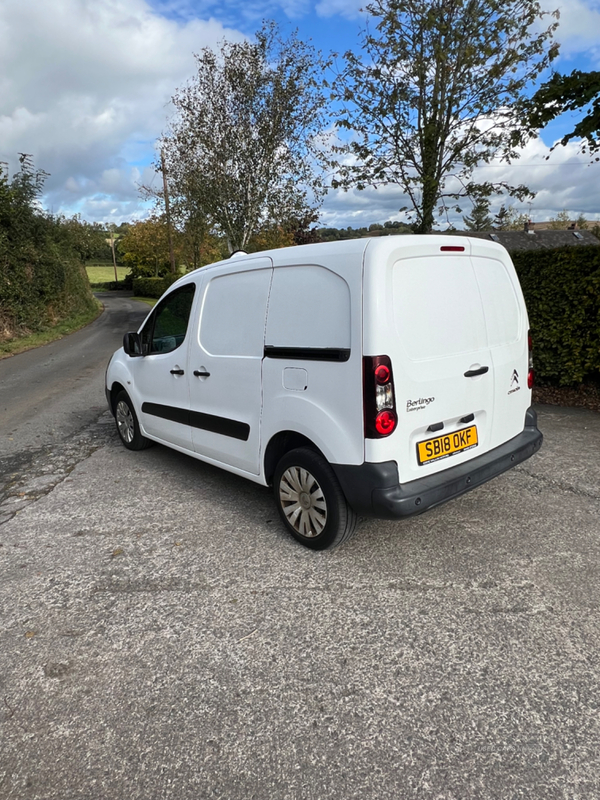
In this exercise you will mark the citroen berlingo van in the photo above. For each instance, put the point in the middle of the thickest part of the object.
(373, 377)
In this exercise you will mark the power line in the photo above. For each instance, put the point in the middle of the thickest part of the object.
(532, 166)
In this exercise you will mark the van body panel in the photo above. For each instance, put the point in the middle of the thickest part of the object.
(314, 412)
(434, 331)
(309, 307)
(319, 308)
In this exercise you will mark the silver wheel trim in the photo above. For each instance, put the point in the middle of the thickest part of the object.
(125, 422)
(303, 502)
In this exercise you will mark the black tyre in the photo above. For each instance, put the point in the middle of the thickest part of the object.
(128, 426)
(310, 500)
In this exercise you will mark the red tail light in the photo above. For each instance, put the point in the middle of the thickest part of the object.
(530, 371)
(379, 398)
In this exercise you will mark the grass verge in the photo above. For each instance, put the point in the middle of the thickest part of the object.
(64, 328)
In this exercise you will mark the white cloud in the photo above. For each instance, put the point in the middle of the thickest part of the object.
(566, 180)
(86, 80)
(345, 8)
(579, 27)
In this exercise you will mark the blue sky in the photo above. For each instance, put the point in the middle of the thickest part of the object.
(85, 87)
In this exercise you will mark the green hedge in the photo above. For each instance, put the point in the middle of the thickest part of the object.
(153, 287)
(562, 292)
(42, 280)
(38, 289)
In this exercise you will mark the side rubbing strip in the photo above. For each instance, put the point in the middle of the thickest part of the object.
(181, 415)
(206, 422)
(227, 427)
(308, 353)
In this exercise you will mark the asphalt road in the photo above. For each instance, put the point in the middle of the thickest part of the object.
(48, 393)
(162, 637)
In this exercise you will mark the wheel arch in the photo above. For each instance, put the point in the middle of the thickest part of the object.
(114, 391)
(280, 444)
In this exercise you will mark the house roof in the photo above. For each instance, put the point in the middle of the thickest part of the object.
(536, 240)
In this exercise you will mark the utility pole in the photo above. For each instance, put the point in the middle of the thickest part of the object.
(112, 247)
(167, 210)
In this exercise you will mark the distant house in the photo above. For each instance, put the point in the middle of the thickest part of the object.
(534, 239)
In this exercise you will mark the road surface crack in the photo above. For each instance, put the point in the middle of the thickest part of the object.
(558, 486)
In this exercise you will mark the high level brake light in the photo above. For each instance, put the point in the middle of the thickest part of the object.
(378, 397)
(530, 371)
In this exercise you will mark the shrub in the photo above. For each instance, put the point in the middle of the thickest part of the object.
(42, 280)
(152, 287)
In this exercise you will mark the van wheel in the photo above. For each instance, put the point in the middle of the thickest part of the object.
(310, 500)
(128, 427)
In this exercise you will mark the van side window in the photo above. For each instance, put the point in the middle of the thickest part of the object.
(166, 328)
(309, 307)
(233, 314)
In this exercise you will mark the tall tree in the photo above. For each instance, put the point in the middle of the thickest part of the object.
(87, 239)
(246, 142)
(509, 219)
(502, 219)
(575, 92)
(561, 221)
(435, 93)
(479, 219)
(145, 247)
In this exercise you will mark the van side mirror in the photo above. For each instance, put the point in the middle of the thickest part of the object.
(132, 344)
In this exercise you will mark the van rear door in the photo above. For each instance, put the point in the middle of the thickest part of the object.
(456, 333)
(443, 372)
(507, 328)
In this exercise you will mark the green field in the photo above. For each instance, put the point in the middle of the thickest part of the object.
(104, 273)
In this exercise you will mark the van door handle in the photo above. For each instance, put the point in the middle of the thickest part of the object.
(199, 374)
(177, 372)
(471, 373)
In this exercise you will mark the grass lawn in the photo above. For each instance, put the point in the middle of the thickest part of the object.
(104, 273)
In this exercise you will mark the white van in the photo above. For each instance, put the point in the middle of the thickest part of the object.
(373, 377)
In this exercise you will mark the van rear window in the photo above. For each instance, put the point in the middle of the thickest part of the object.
(502, 308)
(437, 307)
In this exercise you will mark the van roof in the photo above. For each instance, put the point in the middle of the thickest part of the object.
(419, 244)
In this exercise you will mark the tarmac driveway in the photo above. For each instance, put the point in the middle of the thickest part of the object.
(162, 637)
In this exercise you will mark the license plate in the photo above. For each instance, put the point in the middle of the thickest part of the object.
(447, 445)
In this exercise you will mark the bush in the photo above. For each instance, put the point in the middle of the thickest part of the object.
(42, 280)
(562, 292)
(126, 283)
(153, 287)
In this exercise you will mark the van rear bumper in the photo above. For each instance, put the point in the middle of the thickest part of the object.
(374, 490)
